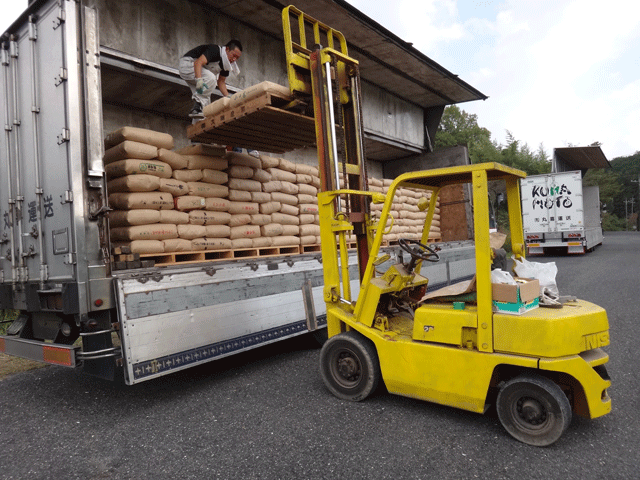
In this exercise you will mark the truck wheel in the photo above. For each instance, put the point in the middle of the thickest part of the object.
(534, 410)
(349, 366)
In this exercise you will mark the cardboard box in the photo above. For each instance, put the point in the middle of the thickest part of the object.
(524, 291)
(516, 299)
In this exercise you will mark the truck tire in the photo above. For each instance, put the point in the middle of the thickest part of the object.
(349, 366)
(533, 409)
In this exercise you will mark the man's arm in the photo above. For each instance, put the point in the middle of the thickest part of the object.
(222, 85)
(198, 64)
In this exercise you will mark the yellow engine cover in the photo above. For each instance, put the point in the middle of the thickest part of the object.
(552, 333)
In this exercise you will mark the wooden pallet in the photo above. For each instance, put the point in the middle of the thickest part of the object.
(179, 258)
(261, 124)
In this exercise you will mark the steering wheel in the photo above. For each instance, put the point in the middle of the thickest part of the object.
(418, 251)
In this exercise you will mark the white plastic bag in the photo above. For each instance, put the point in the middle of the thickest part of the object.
(500, 276)
(544, 272)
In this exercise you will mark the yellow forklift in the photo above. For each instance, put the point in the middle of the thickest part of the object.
(536, 368)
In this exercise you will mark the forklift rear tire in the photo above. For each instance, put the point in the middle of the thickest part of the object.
(349, 366)
(533, 409)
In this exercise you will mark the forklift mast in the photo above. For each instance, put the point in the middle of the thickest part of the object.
(320, 71)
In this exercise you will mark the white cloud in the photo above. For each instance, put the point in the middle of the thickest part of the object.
(556, 72)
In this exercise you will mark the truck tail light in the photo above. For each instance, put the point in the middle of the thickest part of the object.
(533, 237)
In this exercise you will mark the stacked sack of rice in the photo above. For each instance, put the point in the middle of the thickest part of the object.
(294, 204)
(408, 219)
(139, 164)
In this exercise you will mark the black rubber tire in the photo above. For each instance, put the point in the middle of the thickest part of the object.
(349, 366)
(533, 409)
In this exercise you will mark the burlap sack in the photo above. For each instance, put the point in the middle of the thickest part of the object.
(205, 149)
(216, 107)
(272, 186)
(177, 245)
(261, 175)
(289, 209)
(258, 90)
(308, 208)
(188, 175)
(284, 198)
(246, 160)
(126, 218)
(207, 190)
(142, 135)
(129, 149)
(211, 244)
(304, 198)
(242, 184)
(290, 230)
(175, 187)
(173, 216)
(244, 231)
(239, 243)
(134, 183)
(269, 162)
(260, 197)
(309, 230)
(283, 175)
(308, 240)
(315, 181)
(142, 246)
(189, 202)
(217, 204)
(244, 207)
(239, 220)
(306, 218)
(174, 159)
(288, 188)
(206, 217)
(214, 176)
(270, 207)
(218, 231)
(284, 219)
(271, 230)
(136, 200)
(133, 166)
(199, 162)
(261, 242)
(303, 178)
(285, 241)
(304, 169)
(240, 195)
(286, 165)
(260, 219)
(240, 171)
(154, 231)
(190, 231)
(305, 189)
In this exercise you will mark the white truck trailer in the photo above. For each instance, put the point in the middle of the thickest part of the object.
(55, 248)
(558, 211)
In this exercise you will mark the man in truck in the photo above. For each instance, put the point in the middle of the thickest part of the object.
(205, 67)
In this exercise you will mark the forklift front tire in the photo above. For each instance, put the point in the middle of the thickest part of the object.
(533, 409)
(349, 366)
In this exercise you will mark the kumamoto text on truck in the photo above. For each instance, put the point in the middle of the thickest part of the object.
(56, 265)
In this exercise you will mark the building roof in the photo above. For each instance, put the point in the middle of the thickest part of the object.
(581, 158)
(408, 73)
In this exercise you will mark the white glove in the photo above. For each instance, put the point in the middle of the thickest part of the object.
(200, 85)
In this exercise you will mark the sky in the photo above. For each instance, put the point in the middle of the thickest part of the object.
(557, 72)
